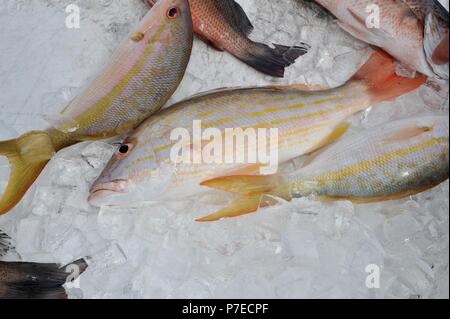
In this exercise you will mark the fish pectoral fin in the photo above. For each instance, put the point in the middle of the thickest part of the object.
(242, 206)
(236, 16)
(408, 133)
(251, 188)
(245, 184)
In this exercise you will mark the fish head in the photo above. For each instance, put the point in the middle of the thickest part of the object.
(172, 11)
(131, 176)
(168, 25)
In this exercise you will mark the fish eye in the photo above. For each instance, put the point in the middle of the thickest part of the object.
(124, 150)
(173, 13)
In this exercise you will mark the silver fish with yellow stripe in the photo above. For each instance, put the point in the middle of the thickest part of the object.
(388, 162)
(142, 75)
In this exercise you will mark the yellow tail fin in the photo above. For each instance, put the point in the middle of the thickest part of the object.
(242, 206)
(27, 156)
(252, 188)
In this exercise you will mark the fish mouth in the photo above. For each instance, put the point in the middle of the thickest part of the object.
(100, 191)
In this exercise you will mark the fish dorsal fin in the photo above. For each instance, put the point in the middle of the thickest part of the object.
(238, 88)
(237, 17)
(302, 87)
(209, 92)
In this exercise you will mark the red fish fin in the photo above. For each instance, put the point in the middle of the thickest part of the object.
(379, 75)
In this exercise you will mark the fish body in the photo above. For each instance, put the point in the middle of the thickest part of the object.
(143, 74)
(389, 162)
(392, 161)
(224, 25)
(400, 29)
(144, 170)
(303, 121)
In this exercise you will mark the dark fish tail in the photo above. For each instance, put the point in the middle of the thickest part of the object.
(272, 61)
(24, 280)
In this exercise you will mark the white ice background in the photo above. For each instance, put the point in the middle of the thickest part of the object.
(302, 249)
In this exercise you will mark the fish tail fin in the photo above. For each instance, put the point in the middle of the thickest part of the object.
(379, 75)
(251, 188)
(27, 156)
(272, 61)
(25, 280)
(5, 243)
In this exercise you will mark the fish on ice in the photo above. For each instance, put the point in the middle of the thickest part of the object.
(388, 162)
(143, 168)
(409, 30)
(142, 75)
(224, 25)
